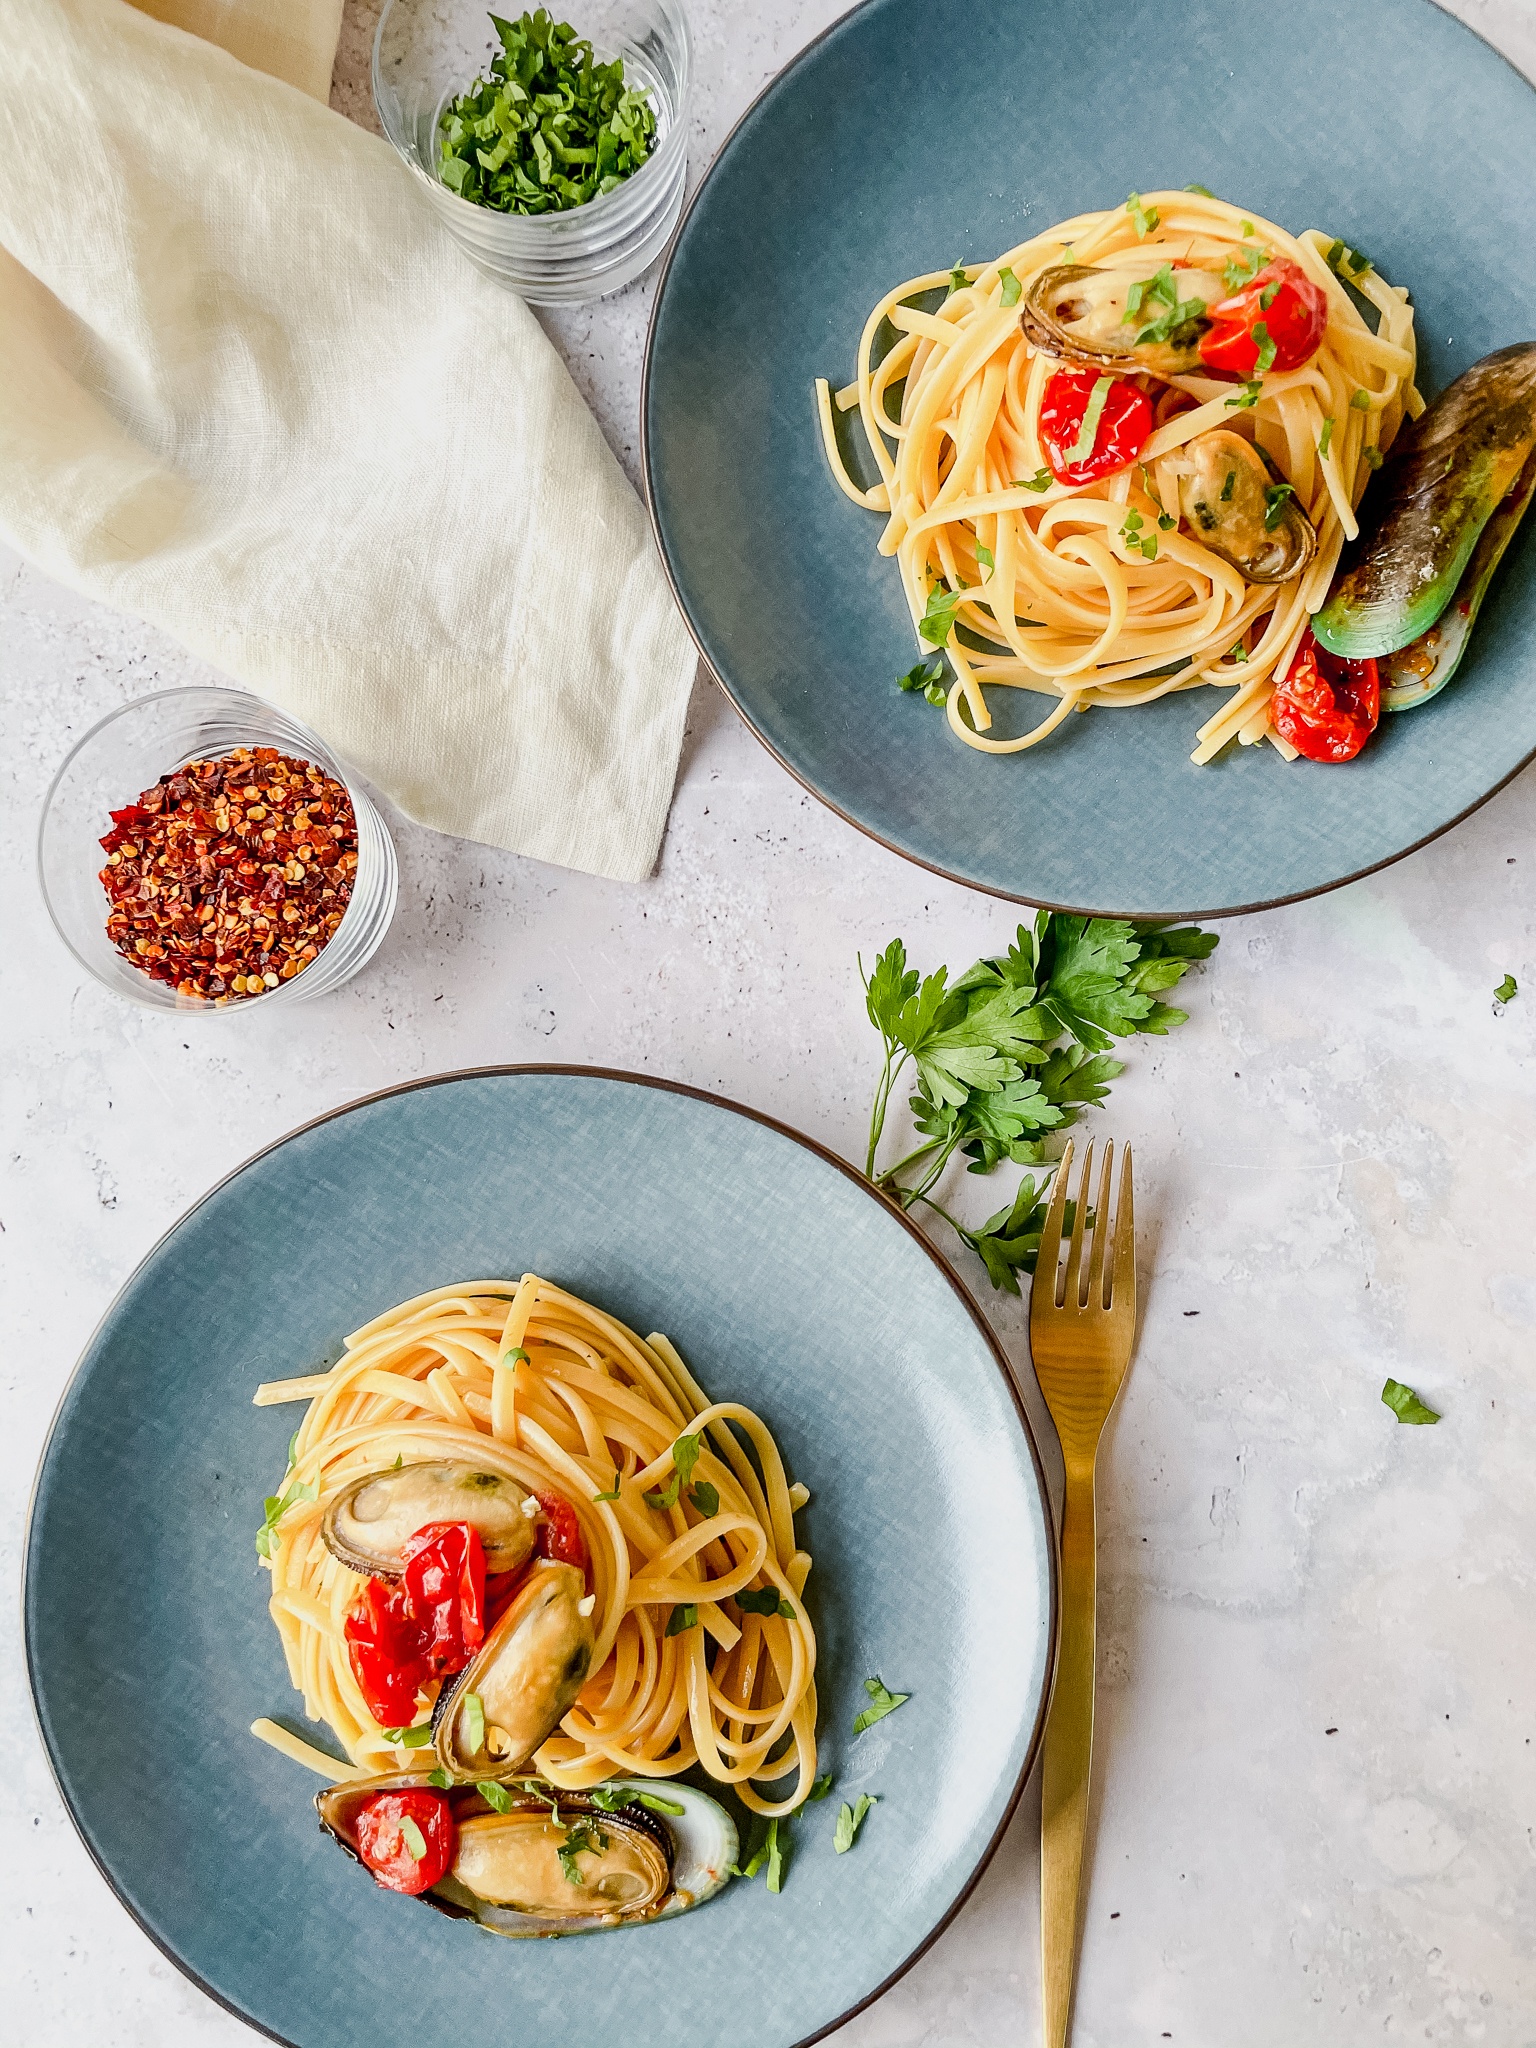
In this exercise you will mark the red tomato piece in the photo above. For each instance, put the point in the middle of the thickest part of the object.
(501, 1589)
(445, 1585)
(560, 1536)
(386, 1824)
(1326, 707)
(1124, 423)
(387, 1652)
(1283, 300)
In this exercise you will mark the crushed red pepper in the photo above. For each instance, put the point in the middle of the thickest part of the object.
(228, 877)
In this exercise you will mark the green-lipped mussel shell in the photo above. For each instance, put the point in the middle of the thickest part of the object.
(1423, 515)
(526, 1675)
(1228, 502)
(1077, 312)
(369, 1520)
(1419, 671)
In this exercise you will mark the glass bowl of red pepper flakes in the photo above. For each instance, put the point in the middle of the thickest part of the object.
(201, 850)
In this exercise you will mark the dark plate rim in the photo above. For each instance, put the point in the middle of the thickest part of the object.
(594, 1073)
(917, 860)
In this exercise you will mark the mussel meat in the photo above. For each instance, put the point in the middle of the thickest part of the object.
(555, 1862)
(1235, 505)
(1085, 315)
(522, 1681)
(1436, 521)
(368, 1522)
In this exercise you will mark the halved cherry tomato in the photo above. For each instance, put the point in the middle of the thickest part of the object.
(1124, 423)
(386, 1647)
(1281, 298)
(1325, 706)
(445, 1583)
(560, 1536)
(501, 1589)
(385, 1825)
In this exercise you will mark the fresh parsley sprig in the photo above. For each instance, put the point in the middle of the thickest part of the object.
(1011, 1054)
(882, 1702)
(276, 1505)
(849, 1820)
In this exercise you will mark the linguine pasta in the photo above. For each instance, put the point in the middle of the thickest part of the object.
(1070, 607)
(524, 1379)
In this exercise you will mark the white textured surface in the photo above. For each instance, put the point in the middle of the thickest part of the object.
(1335, 1164)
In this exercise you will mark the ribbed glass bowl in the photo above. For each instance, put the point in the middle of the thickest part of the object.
(427, 52)
(128, 752)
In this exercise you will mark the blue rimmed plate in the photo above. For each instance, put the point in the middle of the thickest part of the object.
(787, 1284)
(920, 133)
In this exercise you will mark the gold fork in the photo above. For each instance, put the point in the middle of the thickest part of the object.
(1081, 1328)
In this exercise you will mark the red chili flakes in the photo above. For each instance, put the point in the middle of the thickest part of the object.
(229, 875)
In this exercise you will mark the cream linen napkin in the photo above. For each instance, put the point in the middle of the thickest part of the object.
(251, 391)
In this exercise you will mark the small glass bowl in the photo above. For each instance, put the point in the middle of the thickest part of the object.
(128, 752)
(427, 52)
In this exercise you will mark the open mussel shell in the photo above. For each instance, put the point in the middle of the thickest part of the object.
(367, 1523)
(525, 1675)
(1233, 503)
(1079, 313)
(620, 1868)
(1425, 512)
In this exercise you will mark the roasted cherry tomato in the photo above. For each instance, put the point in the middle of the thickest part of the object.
(445, 1583)
(386, 1647)
(1124, 420)
(392, 1827)
(1281, 299)
(560, 1534)
(501, 1589)
(1326, 707)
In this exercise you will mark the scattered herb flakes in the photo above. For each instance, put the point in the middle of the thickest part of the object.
(1012, 290)
(1268, 296)
(411, 1738)
(681, 1619)
(413, 1839)
(550, 129)
(1204, 191)
(440, 1778)
(1405, 1403)
(958, 279)
(516, 1355)
(1247, 394)
(1373, 457)
(1507, 988)
(615, 1492)
(927, 676)
(1143, 218)
(474, 1722)
(293, 1445)
(685, 1455)
(1275, 496)
(1325, 438)
(882, 1702)
(1088, 433)
(1238, 271)
(1040, 481)
(1166, 521)
(849, 1820)
(657, 1804)
(1229, 484)
(705, 1498)
(938, 620)
(1236, 652)
(764, 1600)
(820, 1787)
(494, 1794)
(583, 1838)
(1342, 259)
(1361, 401)
(1246, 226)
(1267, 348)
(276, 1505)
(778, 1854)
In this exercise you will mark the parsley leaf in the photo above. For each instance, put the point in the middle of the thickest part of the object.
(1012, 290)
(1507, 988)
(1040, 481)
(882, 1702)
(1275, 496)
(938, 621)
(413, 1839)
(819, 1788)
(1325, 438)
(276, 1505)
(1088, 433)
(617, 1489)
(958, 279)
(585, 1838)
(1181, 314)
(984, 556)
(494, 1795)
(778, 1854)
(1342, 258)
(474, 1722)
(1248, 394)
(1268, 296)
(416, 1737)
(439, 1778)
(1238, 271)
(685, 1455)
(1143, 218)
(1267, 348)
(681, 1619)
(924, 677)
(1405, 1403)
(1204, 191)
(1373, 457)
(763, 1600)
(849, 1820)
(705, 1498)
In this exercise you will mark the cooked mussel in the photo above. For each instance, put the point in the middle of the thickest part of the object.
(368, 1522)
(560, 1862)
(1233, 503)
(1434, 523)
(522, 1681)
(1085, 315)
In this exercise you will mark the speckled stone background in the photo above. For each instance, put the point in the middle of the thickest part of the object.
(1315, 1814)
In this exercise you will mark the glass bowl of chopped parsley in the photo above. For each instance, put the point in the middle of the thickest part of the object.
(556, 153)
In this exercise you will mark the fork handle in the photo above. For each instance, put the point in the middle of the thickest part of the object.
(1065, 1769)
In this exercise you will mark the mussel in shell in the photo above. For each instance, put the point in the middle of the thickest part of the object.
(368, 1522)
(1233, 503)
(523, 1680)
(1085, 315)
(555, 1862)
(1435, 522)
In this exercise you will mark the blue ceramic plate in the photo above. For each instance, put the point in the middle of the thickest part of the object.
(786, 1283)
(920, 133)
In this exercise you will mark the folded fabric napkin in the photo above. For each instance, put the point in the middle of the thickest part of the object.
(251, 391)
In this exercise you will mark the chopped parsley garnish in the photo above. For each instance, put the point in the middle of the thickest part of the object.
(1275, 496)
(1267, 351)
(413, 1838)
(1160, 287)
(494, 1794)
(1143, 218)
(1325, 438)
(1204, 191)
(849, 1820)
(1247, 394)
(705, 1498)
(1373, 457)
(1246, 226)
(923, 677)
(778, 1855)
(1040, 481)
(681, 1619)
(657, 1804)
(1507, 987)
(1137, 542)
(1238, 271)
(616, 1491)
(1237, 652)
(276, 1506)
(1166, 521)
(1082, 448)
(984, 556)
(517, 1353)
(685, 1455)
(1170, 326)
(1227, 487)
(1341, 257)
(938, 621)
(411, 1738)
(440, 1778)
(819, 1788)
(958, 279)
(1268, 296)
(1361, 401)
(474, 1722)
(1405, 1403)
(882, 1702)
(1012, 290)
(764, 1600)
(550, 129)
(293, 1445)
(585, 1838)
